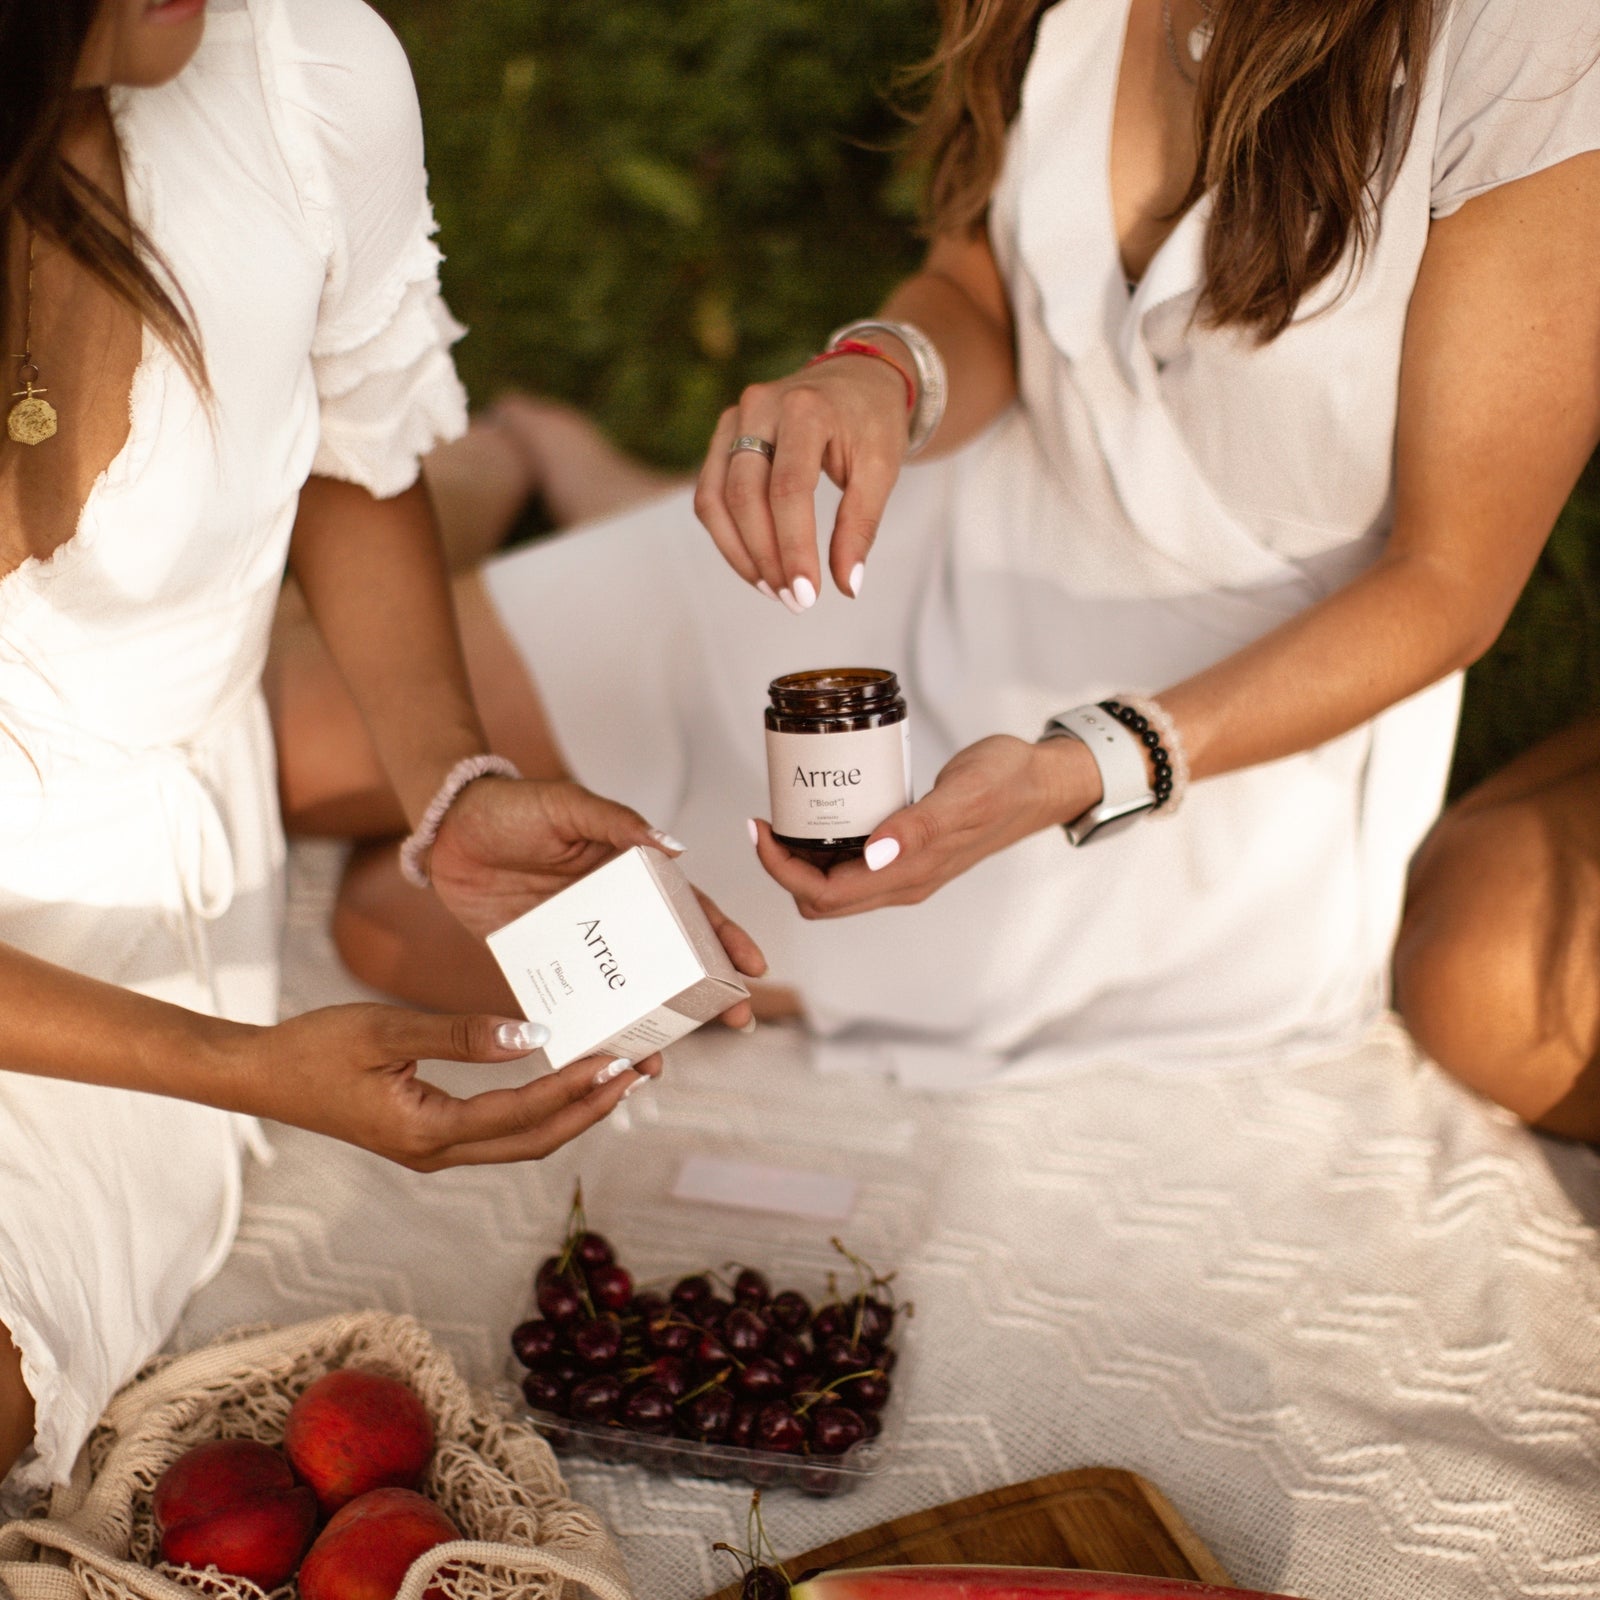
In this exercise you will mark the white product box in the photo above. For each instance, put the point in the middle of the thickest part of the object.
(623, 963)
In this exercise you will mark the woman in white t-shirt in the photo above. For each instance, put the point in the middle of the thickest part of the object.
(1272, 337)
(217, 260)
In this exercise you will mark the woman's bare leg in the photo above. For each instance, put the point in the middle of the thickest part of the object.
(396, 938)
(1497, 969)
(16, 1405)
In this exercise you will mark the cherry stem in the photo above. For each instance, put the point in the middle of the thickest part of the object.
(710, 1383)
(814, 1395)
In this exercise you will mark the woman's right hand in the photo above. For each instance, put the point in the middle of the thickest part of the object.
(351, 1072)
(846, 417)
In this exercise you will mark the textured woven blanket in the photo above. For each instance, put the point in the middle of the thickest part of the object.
(1346, 1317)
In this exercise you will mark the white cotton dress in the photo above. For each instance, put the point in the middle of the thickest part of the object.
(281, 177)
(1160, 496)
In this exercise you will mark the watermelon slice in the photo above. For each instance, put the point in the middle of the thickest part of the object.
(1004, 1583)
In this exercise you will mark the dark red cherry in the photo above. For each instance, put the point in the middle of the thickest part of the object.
(872, 1421)
(827, 1322)
(751, 1288)
(648, 1409)
(671, 1336)
(741, 1429)
(593, 1250)
(875, 1318)
(788, 1352)
(670, 1373)
(544, 1392)
(564, 1367)
(764, 1583)
(550, 1268)
(869, 1392)
(761, 1379)
(611, 1287)
(559, 1301)
(745, 1332)
(691, 1290)
(839, 1355)
(789, 1310)
(709, 1415)
(711, 1352)
(598, 1343)
(648, 1305)
(835, 1429)
(777, 1428)
(533, 1341)
(711, 1312)
(595, 1399)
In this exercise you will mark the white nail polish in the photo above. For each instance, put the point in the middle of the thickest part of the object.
(521, 1035)
(638, 1083)
(765, 588)
(791, 605)
(857, 573)
(805, 592)
(748, 1027)
(609, 1074)
(667, 842)
(881, 852)
(755, 832)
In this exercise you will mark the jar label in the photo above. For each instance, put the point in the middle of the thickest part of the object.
(827, 787)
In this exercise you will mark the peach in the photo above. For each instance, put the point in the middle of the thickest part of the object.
(367, 1547)
(233, 1504)
(353, 1431)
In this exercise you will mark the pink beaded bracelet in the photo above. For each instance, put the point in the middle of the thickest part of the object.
(414, 851)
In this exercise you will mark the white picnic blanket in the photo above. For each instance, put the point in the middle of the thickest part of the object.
(1348, 1318)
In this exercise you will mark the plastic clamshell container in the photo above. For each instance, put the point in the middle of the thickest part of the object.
(818, 1475)
(630, 1172)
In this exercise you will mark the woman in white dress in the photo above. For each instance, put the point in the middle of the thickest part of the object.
(1270, 362)
(217, 260)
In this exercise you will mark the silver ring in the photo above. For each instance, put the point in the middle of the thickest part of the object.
(748, 441)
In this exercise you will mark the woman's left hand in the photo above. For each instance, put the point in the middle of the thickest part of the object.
(508, 844)
(989, 796)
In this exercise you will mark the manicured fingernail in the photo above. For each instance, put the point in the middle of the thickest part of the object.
(667, 842)
(805, 592)
(790, 603)
(521, 1035)
(608, 1074)
(638, 1083)
(857, 573)
(747, 1027)
(881, 852)
(763, 587)
(755, 832)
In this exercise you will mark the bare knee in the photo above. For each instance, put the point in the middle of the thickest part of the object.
(403, 942)
(16, 1405)
(1489, 973)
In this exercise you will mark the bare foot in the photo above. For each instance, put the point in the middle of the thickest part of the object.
(571, 466)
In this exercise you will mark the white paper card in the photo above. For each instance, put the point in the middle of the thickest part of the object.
(752, 1186)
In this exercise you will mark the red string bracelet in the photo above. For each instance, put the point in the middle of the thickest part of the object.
(859, 347)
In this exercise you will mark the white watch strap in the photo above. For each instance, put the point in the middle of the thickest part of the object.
(1118, 752)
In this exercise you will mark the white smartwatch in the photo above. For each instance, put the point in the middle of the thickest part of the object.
(1119, 753)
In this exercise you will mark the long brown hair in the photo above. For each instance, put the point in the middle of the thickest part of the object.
(40, 45)
(1295, 121)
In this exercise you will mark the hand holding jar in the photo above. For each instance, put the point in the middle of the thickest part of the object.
(845, 835)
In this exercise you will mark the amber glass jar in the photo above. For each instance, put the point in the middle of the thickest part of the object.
(838, 759)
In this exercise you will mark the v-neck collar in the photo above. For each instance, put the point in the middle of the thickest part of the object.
(1070, 244)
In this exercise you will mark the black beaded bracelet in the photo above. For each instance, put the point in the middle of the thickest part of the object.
(1136, 722)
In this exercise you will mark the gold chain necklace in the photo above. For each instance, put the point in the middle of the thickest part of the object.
(31, 420)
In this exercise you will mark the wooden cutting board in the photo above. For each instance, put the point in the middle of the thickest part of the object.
(1100, 1519)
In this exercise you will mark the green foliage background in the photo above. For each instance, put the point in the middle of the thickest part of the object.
(646, 204)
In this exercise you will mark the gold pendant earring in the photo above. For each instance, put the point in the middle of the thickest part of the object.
(31, 420)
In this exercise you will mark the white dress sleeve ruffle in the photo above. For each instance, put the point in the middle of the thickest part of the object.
(1521, 92)
(352, 133)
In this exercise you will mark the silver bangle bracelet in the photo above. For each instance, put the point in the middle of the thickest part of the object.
(933, 382)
